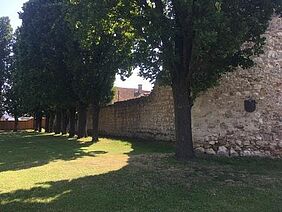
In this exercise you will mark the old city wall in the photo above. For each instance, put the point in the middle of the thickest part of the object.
(146, 117)
(220, 123)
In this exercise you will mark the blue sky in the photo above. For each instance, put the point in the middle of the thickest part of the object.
(12, 7)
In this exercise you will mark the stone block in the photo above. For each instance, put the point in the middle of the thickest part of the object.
(233, 153)
(222, 150)
(210, 151)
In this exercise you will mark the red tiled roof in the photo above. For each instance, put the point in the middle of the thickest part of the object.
(123, 94)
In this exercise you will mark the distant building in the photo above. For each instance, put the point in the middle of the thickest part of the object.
(124, 94)
(7, 117)
(25, 118)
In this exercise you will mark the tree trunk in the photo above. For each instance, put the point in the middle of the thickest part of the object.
(51, 122)
(58, 125)
(16, 124)
(181, 74)
(72, 112)
(40, 122)
(35, 122)
(95, 121)
(47, 123)
(183, 121)
(82, 120)
(64, 122)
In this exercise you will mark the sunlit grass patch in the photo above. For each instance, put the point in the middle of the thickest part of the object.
(84, 160)
(43, 172)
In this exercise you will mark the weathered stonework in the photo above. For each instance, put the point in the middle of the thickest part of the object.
(146, 117)
(220, 123)
(219, 116)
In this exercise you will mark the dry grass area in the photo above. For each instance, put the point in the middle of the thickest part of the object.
(43, 172)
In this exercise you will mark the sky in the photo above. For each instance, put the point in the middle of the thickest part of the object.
(12, 7)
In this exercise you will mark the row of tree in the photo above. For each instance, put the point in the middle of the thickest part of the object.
(65, 56)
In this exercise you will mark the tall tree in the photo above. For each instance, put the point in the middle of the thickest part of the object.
(105, 43)
(35, 80)
(47, 83)
(12, 90)
(13, 102)
(6, 33)
(191, 43)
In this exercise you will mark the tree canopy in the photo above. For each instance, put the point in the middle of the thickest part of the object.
(105, 43)
(68, 53)
(190, 43)
(6, 33)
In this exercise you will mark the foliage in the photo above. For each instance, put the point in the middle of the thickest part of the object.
(13, 102)
(69, 51)
(104, 42)
(6, 33)
(46, 81)
(104, 46)
(215, 31)
(191, 43)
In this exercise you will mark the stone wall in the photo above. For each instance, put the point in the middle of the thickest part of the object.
(146, 117)
(220, 123)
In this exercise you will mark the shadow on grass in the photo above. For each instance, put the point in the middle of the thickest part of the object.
(25, 150)
(156, 182)
(153, 181)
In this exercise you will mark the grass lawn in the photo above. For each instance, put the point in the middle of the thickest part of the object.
(42, 172)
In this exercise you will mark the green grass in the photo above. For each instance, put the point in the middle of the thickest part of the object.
(42, 172)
